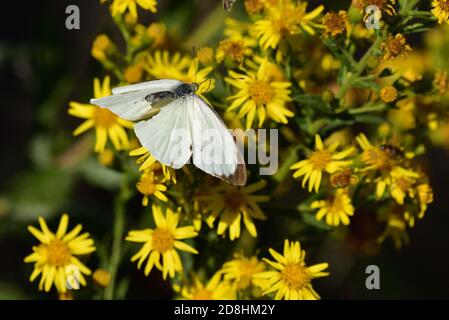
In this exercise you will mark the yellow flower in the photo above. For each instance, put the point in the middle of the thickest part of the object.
(388, 94)
(240, 271)
(106, 158)
(160, 244)
(134, 73)
(101, 277)
(335, 23)
(394, 46)
(232, 51)
(55, 257)
(120, 6)
(258, 94)
(130, 20)
(205, 56)
(101, 46)
(374, 157)
(337, 208)
(291, 279)
(147, 161)
(320, 160)
(441, 81)
(254, 6)
(149, 186)
(107, 125)
(233, 203)
(441, 10)
(162, 66)
(425, 196)
(158, 33)
(402, 184)
(215, 289)
(283, 20)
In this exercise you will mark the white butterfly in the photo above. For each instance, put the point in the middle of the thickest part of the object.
(181, 126)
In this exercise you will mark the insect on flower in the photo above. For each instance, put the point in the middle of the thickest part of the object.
(181, 125)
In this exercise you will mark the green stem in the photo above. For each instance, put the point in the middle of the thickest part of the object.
(409, 5)
(291, 158)
(361, 65)
(117, 241)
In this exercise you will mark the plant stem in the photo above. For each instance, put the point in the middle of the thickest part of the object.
(361, 65)
(117, 241)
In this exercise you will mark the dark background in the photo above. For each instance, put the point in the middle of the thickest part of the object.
(43, 66)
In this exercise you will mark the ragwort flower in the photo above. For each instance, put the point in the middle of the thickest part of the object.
(160, 245)
(106, 124)
(321, 160)
(55, 257)
(291, 279)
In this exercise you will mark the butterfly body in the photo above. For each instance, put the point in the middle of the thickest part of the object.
(181, 91)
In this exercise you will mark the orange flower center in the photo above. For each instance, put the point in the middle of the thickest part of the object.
(58, 253)
(162, 240)
(403, 183)
(295, 276)
(336, 204)
(335, 23)
(104, 118)
(320, 159)
(377, 158)
(261, 92)
(235, 201)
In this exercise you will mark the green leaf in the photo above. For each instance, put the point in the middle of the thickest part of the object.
(311, 100)
(339, 53)
(99, 175)
(366, 84)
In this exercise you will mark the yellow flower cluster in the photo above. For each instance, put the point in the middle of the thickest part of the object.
(319, 78)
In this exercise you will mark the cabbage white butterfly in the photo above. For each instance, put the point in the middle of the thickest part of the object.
(174, 124)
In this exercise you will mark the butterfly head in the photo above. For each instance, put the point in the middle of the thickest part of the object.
(186, 89)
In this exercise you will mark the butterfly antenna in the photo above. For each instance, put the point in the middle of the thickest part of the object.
(207, 89)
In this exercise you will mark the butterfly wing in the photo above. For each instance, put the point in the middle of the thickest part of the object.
(167, 135)
(149, 86)
(128, 102)
(214, 148)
